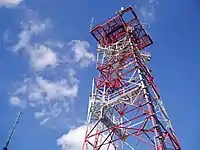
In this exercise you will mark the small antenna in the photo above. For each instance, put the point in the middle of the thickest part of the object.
(92, 22)
(12, 131)
(119, 11)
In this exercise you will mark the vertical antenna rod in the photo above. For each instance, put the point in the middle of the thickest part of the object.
(92, 22)
(12, 131)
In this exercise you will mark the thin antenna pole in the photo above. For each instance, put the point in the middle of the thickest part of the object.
(91, 24)
(13, 129)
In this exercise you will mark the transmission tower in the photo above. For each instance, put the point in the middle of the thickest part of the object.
(125, 109)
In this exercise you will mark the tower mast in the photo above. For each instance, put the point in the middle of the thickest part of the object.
(125, 109)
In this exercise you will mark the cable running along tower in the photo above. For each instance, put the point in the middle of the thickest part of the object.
(125, 110)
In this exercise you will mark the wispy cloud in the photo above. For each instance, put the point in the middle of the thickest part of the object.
(10, 3)
(51, 112)
(41, 90)
(53, 83)
(52, 96)
(42, 56)
(14, 100)
(30, 29)
(81, 54)
(58, 44)
(147, 11)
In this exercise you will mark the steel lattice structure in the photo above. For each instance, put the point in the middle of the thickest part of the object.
(125, 109)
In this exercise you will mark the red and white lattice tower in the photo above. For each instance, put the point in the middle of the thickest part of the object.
(125, 109)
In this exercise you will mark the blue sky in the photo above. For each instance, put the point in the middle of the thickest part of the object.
(46, 45)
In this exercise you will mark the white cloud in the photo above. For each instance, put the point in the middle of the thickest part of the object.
(148, 14)
(81, 54)
(10, 3)
(42, 57)
(50, 96)
(45, 115)
(48, 92)
(44, 121)
(57, 44)
(74, 139)
(41, 90)
(54, 90)
(14, 100)
(24, 37)
(148, 11)
(30, 29)
(41, 114)
(152, 1)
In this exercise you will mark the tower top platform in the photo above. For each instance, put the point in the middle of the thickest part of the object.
(117, 27)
